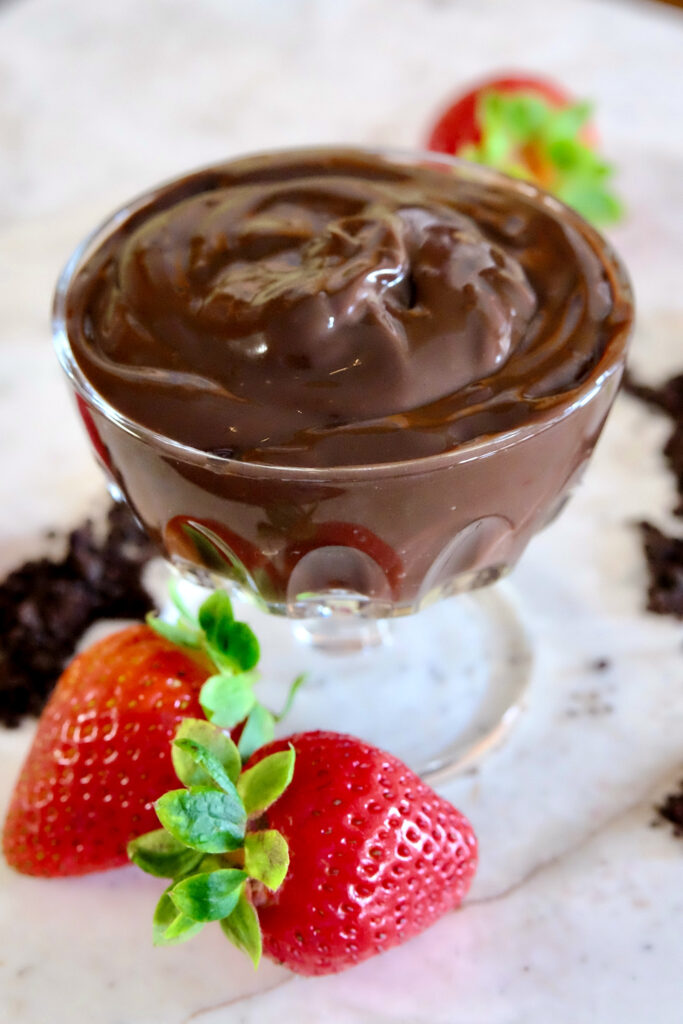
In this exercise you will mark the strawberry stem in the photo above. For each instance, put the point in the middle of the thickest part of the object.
(231, 646)
(212, 844)
(525, 136)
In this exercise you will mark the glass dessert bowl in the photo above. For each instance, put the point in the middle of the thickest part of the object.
(349, 386)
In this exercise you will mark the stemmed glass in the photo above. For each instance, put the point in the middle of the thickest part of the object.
(372, 579)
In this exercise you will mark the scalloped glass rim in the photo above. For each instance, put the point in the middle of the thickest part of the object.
(477, 448)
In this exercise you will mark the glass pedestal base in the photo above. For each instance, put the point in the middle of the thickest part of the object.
(436, 689)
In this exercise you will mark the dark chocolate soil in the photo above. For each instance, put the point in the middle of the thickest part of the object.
(672, 810)
(45, 606)
(664, 553)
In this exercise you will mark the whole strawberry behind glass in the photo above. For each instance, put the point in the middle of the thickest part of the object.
(350, 386)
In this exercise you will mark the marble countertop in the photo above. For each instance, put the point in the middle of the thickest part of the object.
(575, 915)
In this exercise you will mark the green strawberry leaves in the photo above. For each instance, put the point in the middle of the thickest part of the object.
(243, 929)
(266, 857)
(524, 135)
(170, 926)
(197, 766)
(242, 650)
(258, 730)
(259, 727)
(161, 854)
(203, 754)
(206, 845)
(204, 818)
(291, 694)
(227, 699)
(566, 122)
(231, 645)
(261, 785)
(209, 896)
(179, 633)
(215, 616)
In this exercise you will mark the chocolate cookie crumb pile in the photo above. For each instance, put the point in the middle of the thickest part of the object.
(669, 399)
(45, 606)
(664, 553)
(664, 556)
(672, 810)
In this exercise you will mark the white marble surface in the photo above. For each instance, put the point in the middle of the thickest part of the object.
(575, 914)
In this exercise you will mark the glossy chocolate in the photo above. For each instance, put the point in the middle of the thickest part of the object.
(336, 376)
(336, 308)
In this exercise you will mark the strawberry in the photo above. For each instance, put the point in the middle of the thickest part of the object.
(531, 128)
(101, 754)
(322, 853)
(376, 856)
(459, 125)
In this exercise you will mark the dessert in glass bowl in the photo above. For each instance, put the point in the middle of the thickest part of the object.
(349, 384)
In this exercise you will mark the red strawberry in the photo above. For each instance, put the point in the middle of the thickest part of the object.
(323, 852)
(531, 128)
(376, 856)
(459, 124)
(101, 754)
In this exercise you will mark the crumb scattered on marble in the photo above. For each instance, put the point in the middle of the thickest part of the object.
(668, 398)
(591, 703)
(664, 553)
(600, 664)
(47, 604)
(671, 810)
(664, 556)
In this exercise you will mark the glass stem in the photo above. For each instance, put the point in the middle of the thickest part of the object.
(342, 634)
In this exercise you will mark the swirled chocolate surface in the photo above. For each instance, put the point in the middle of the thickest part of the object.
(336, 308)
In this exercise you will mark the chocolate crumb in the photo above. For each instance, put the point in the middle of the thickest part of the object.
(592, 703)
(665, 566)
(45, 607)
(672, 810)
(664, 553)
(600, 664)
(668, 399)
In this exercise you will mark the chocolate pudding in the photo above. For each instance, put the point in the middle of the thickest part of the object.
(335, 372)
